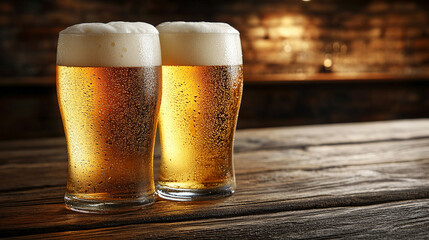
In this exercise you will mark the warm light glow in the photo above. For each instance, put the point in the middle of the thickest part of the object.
(287, 32)
(327, 63)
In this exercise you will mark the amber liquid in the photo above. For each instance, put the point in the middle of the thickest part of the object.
(197, 123)
(109, 116)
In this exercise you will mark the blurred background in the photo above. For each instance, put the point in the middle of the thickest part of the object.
(306, 61)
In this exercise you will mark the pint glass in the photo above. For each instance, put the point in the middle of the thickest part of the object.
(109, 86)
(202, 87)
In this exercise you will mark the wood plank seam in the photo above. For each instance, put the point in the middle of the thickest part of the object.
(304, 147)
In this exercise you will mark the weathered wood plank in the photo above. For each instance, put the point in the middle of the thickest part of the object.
(268, 180)
(397, 220)
(316, 135)
(32, 144)
(35, 175)
(48, 218)
(278, 170)
(31, 156)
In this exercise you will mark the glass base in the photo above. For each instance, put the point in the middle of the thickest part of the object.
(107, 207)
(180, 194)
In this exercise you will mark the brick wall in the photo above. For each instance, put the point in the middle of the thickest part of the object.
(339, 36)
(291, 36)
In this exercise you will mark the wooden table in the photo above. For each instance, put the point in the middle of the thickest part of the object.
(361, 180)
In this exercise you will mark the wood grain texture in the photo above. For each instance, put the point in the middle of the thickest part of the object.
(333, 134)
(324, 173)
(398, 220)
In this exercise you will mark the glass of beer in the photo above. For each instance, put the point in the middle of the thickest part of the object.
(109, 93)
(202, 86)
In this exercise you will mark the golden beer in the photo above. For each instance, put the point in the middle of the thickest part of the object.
(110, 126)
(198, 117)
(109, 116)
(197, 124)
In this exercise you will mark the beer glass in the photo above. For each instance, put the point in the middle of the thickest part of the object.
(202, 86)
(109, 86)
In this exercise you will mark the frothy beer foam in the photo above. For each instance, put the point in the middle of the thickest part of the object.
(199, 44)
(114, 44)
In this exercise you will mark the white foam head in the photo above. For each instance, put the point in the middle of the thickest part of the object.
(114, 44)
(199, 44)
